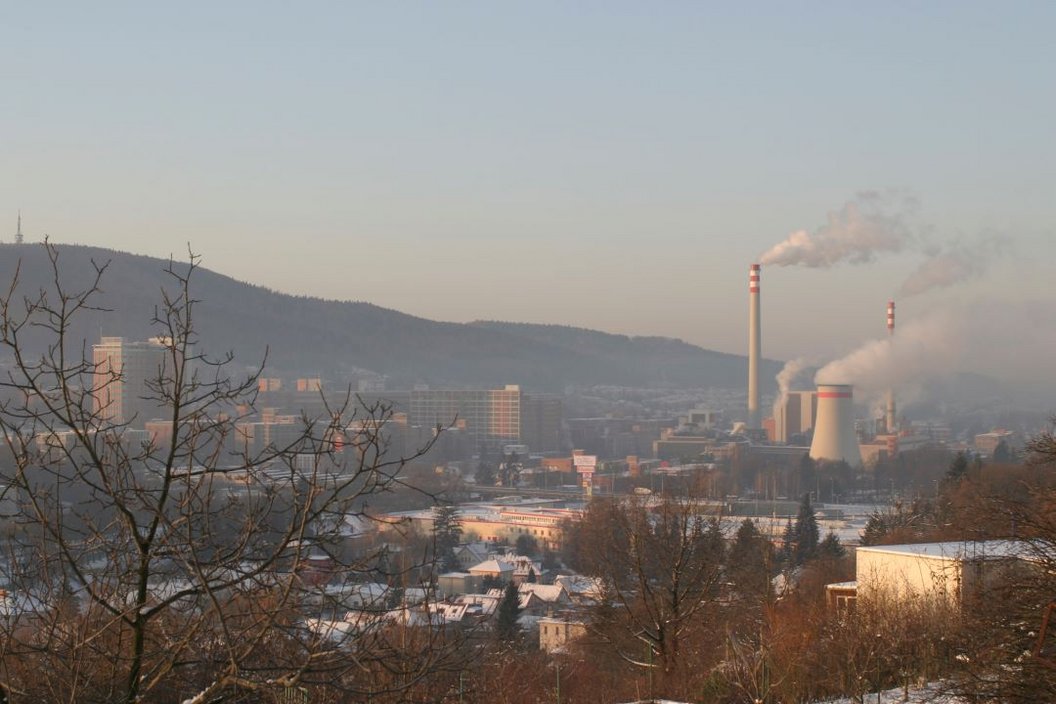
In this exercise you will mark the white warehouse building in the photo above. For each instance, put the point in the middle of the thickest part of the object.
(951, 572)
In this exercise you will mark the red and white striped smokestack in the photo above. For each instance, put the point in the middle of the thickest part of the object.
(889, 419)
(754, 347)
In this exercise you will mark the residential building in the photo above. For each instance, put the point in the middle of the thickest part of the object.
(488, 416)
(121, 379)
(542, 422)
(556, 632)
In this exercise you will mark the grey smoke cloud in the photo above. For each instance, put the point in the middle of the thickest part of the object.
(954, 263)
(870, 224)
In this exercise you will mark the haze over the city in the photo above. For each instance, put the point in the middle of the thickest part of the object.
(605, 165)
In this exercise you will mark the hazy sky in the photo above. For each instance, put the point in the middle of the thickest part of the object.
(609, 165)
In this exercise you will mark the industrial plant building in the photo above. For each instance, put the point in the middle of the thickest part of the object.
(794, 415)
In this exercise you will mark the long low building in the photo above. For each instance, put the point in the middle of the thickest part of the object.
(497, 523)
(950, 572)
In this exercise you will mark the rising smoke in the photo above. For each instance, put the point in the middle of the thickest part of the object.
(870, 224)
(957, 262)
(785, 377)
(1011, 341)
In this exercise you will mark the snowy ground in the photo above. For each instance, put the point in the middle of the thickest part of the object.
(928, 694)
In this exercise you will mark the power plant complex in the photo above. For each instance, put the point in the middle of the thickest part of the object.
(827, 412)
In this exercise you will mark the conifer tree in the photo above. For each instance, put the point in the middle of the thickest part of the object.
(958, 468)
(447, 532)
(805, 532)
(509, 611)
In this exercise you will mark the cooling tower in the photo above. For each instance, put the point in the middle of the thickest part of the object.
(889, 419)
(834, 437)
(754, 347)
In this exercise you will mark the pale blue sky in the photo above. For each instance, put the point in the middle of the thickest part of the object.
(609, 165)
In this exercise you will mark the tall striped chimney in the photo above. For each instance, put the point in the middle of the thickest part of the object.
(754, 347)
(889, 419)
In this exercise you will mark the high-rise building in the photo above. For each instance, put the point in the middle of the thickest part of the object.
(489, 416)
(542, 422)
(122, 372)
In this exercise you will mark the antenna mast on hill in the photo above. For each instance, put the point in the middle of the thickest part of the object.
(18, 232)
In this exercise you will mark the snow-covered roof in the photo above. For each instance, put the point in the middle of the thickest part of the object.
(477, 550)
(482, 603)
(549, 593)
(492, 567)
(956, 549)
(578, 585)
(448, 613)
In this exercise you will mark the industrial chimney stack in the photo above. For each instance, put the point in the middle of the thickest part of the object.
(834, 437)
(754, 348)
(889, 419)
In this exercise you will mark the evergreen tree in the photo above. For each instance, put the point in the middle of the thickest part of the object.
(550, 561)
(485, 474)
(830, 548)
(748, 561)
(805, 532)
(875, 529)
(510, 471)
(788, 542)
(395, 597)
(526, 545)
(958, 469)
(509, 610)
(447, 532)
(1002, 454)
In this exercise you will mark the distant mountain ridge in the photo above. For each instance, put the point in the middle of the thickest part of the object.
(311, 336)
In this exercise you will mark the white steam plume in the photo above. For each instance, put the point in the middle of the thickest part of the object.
(1010, 341)
(871, 223)
(957, 262)
(785, 377)
(922, 348)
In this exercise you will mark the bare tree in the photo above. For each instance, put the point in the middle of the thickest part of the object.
(1011, 656)
(186, 563)
(660, 564)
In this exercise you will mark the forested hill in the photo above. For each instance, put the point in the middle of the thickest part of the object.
(655, 361)
(311, 336)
